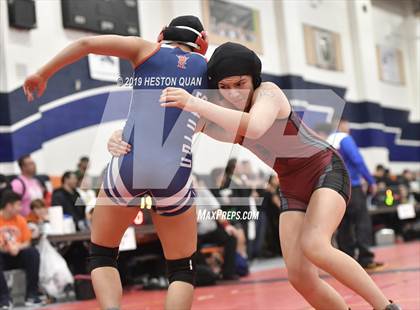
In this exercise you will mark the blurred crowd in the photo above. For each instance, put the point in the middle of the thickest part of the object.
(403, 188)
(227, 246)
(24, 218)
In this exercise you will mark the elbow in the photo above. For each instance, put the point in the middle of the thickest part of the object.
(255, 132)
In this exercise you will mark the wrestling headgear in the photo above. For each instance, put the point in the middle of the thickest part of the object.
(187, 30)
(231, 59)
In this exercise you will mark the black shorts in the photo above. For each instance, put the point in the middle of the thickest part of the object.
(334, 176)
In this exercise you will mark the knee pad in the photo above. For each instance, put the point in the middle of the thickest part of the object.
(100, 256)
(182, 269)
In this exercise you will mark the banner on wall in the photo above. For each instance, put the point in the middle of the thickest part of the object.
(104, 68)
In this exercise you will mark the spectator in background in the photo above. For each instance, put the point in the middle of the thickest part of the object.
(39, 212)
(68, 197)
(16, 250)
(271, 206)
(4, 185)
(405, 184)
(239, 198)
(84, 180)
(380, 174)
(229, 189)
(383, 177)
(27, 185)
(87, 194)
(391, 180)
(223, 197)
(406, 179)
(415, 185)
(217, 177)
(403, 194)
(37, 218)
(215, 231)
(259, 226)
(248, 174)
(82, 167)
(355, 230)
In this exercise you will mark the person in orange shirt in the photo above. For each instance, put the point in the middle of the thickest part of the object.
(37, 218)
(39, 212)
(16, 250)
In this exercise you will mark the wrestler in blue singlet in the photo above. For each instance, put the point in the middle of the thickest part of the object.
(160, 161)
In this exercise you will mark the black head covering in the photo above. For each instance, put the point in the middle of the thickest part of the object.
(231, 59)
(174, 33)
(187, 20)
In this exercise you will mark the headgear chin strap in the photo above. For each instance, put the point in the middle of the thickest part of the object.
(186, 30)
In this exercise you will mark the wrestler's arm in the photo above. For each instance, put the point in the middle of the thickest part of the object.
(268, 101)
(127, 47)
(118, 147)
(214, 131)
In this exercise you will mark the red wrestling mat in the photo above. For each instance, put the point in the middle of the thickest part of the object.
(399, 279)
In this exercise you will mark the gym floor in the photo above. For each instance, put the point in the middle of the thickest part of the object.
(267, 287)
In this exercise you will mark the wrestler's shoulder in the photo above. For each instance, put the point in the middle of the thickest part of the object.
(268, 90)
(268, 85)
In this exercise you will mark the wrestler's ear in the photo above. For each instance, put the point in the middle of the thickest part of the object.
(202, 42)
(205, 36)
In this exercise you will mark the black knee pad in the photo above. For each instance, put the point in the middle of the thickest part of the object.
(100, 256)
(182, 269)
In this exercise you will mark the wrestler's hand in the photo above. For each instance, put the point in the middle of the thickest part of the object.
(116, 146)
(177, 98)
(34, 82)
